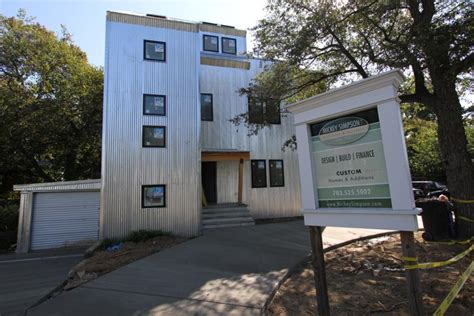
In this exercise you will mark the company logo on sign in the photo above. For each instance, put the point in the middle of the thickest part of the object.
(343, 131)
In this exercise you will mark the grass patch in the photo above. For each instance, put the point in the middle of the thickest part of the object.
(135, 236)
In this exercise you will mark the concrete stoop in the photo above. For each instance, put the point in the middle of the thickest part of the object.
(226, 215)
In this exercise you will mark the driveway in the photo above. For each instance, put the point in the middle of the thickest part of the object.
(24, 279)
(229, 271)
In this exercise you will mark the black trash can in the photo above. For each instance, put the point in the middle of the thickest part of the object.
(437, 219)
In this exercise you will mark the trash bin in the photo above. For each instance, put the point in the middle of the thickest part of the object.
(437, 219)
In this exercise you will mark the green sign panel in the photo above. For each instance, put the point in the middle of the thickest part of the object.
(349, 162)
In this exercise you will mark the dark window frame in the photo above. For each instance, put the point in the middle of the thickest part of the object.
(282, 171)
(154, 95)
(204, 43)
(153, 59)
(154, 126)
(254, 186)
(264, 113)
(222, 44)
(151, 186)
(212, 107)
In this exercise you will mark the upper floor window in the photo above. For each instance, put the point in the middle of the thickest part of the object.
(154, 104)
(210, 43)
(206, 107)
(261, 112)
(277, 178)
(259, 173)
(154, 136)
(154, 50)
(229, 45)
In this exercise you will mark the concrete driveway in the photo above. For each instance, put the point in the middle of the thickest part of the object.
(24, 279)
(229, 271)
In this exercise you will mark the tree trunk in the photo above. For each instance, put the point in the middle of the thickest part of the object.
(454, 154)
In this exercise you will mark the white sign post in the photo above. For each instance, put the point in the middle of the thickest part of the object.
(353, 163)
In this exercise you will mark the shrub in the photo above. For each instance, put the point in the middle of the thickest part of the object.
(8, 216)
(135, 236)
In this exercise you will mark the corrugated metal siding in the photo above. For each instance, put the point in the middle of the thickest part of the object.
(227, 181)
(61, 219)
(126, 165)
(224, 84)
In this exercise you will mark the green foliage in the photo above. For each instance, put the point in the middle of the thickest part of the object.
(135, 236)
(8, 216)
(50, 106)
(421, 131)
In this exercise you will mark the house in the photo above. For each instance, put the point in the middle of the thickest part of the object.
(171, 159)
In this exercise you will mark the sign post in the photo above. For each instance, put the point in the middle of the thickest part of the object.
(354, 169)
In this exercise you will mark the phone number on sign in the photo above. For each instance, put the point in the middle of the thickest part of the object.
(351, 192)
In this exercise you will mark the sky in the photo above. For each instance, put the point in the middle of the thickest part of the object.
(85, 19)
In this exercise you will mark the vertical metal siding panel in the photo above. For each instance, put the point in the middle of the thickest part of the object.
(128, 166)
(224, 83)
(227, 181)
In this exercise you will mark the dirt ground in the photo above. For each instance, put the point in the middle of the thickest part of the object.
(104, 261)
(367, 278)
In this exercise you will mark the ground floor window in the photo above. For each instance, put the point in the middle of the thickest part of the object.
(259, 173)
(277, 178)
(154, 195)
(154, 136)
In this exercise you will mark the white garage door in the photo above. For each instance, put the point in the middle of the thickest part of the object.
(64, 219)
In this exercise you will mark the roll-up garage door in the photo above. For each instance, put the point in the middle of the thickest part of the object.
(64, 219)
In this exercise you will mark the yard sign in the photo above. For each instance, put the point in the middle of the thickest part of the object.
(354, 170)
(352, 156)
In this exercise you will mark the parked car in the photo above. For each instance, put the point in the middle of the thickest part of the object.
(428, 186)
(418, 194)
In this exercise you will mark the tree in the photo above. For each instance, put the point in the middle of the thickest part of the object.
(431, 40)
(50, 106)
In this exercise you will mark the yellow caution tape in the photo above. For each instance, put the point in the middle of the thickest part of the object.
(429, 265)
(454, 242)
(462, 201)
(464, 218)
(410, 259)
(454, 291)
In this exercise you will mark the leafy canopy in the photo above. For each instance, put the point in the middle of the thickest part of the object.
(50, 106)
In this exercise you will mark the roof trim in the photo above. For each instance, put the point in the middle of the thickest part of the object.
(179, 25)
(52, 186)
(219, 62)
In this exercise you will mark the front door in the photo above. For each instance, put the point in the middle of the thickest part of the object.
(209, 181)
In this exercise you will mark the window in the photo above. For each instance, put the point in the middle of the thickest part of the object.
(264, 112)
(153, 195)
(154, 104)
(206, 107)
(210, 43)
(277, 177)
(229, 45)
(154, 51)
(259, 173)
(154, 136)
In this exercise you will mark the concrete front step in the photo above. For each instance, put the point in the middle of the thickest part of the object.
(232, 220)
(224, 210)
(226, 215)
(228, 225)
(206, 216)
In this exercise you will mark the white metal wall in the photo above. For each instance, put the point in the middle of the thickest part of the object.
(224, 84)
(64, 219)
(126, 166)
(227, 181)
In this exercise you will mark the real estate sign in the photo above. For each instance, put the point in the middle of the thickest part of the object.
(349, 161)
(352, 157)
